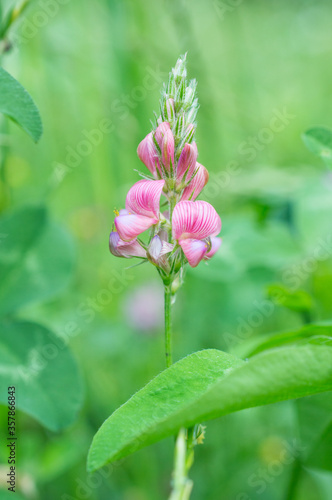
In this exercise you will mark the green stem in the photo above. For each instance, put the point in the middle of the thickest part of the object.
(168, 325)
(294, 480)
(183, 459)
(184, 453)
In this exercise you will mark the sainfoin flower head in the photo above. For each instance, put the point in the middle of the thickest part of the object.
(188, 231)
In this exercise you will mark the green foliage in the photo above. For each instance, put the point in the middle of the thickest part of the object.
(298, 300)
(207, 385)
(43, 371)
(18, 105)
(320, 333)
(29, 243)
(315, 426)
(8, 495)
(319, 141)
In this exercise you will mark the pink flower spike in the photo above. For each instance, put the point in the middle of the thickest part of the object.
(144, 198)
(195, 220)
(148, 155)
(187, 161)
(168, 150)
(197, 184)
(160, 132)
(194, 250)
(121, 248)
(215, 245)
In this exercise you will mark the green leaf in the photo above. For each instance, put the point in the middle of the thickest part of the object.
(18, 105)
(41, 368)
(36, 258)
(315, 428)
(319, 333)
(319, 141)
(8, 495)
(207, 385)
(298, 300)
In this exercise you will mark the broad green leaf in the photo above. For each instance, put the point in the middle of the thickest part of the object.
(323, 480)
(298, 300)
(319, 333)
(319, 141)
(18, 105)
(315, 428)
(8, 495)
(36, 259)
(42, 370)
(207, 385)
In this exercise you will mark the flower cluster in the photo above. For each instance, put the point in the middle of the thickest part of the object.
(187, 231)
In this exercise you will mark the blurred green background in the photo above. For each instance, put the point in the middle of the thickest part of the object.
(86, 62)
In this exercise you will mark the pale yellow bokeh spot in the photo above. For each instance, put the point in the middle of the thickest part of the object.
(271, 449)
(18, 171)
(86, 222)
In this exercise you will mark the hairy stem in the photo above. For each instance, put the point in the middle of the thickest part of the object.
(184, 453)
(168, 325)
(183, 459)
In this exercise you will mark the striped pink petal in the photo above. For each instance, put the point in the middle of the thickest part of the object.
(124, 249)
(158, 248)
(215, 245)
(195, 220)
(187, 161)
(147, 154)
(167, 150)
(160, 132)
(194, 250)
(197, 184)
(144, 198)
(129, 226)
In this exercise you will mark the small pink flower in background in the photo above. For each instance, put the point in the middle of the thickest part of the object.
(125, 249)
(142, 209)
(195, 225)
(143, 308)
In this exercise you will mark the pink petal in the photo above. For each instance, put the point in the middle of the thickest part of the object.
(187, 161)
(144, 198)
(160, 132)
(197, 184)
(147, 153)
(215, 245)
(168, 150)
(166, 248)
(195, 219)
(194, 250)
(129, 226)
(155, 247)
(121, 248)
(159, 247)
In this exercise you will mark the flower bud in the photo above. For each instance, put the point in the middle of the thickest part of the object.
(167, 151)
(190, 93)
(189, 134)
(169, 112)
